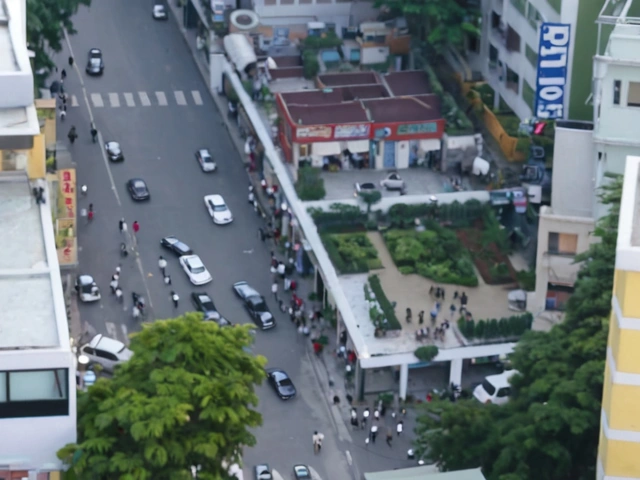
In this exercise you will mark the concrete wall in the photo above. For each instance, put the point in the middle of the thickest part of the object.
(36, 167)
(296, 12)
(20, 81)
(374, 55)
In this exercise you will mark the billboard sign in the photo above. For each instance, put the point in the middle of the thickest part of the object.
(352, 131)
(553, 60)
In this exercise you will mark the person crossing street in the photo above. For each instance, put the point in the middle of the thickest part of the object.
(72, 135)
(94, 132)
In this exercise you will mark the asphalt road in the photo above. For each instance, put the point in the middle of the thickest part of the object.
(159, 141)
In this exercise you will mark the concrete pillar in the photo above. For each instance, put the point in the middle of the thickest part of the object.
(339, 327)
(360, 374)
(455, 372)
(404, 380)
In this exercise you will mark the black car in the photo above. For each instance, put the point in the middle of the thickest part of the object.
(95, 63)
(281, 383)
(256, 305)
(114, 152)
(176, 246)
(263, 472)
(138, 189)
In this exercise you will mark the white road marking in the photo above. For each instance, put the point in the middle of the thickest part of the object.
(114, 100)
(112, 332)
(125, 334)
(96, 99)
(162, 99)
(74, 101)
(144, 99)
(180, 100)
(349, 458)
(128, 98)
(196, 97)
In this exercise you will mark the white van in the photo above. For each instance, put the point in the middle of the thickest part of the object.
(495, 388)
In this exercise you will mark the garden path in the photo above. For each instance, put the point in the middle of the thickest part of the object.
(412, 291)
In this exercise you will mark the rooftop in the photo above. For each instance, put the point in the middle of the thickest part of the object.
(348, 79)
(350, 112)
(413, 82)
(28, 317)
(8, 62)
(425, 473)
(408, 109)
(335, 95)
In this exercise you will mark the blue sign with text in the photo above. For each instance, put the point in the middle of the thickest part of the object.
(553, 60)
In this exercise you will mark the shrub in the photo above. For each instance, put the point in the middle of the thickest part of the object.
(310, 185)
(406, 270)
(426, 353)
(370, 198)
(507, 327)
(385, 305)
(325, 41)
(371, 225)
(341, 218)
(527, 279)
(351, 253)
(458, 214)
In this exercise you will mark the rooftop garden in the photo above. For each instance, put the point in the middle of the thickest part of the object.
(310, 185)
(503, 329)
(381, 311)
(351, 252)
(311, 46)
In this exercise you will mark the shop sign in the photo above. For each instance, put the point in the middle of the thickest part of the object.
(68, 252)
(553, 53)
(67, 182)
(319, 131)
(352, 131)
(417, 128)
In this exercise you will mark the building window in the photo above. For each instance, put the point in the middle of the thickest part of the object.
(34, 393)
(513, 80)
(557, 297)
(270, 2)
(521, 6)
(532, 55)
(556, 5)
(633, 95)
(528, 94)
(513, 40)
(563, 243)
(305, 150)
(534, 17)
(617, 85)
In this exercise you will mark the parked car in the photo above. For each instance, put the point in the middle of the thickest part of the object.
(255, 305)
(203, 303)
(218, 209)
(301, 472)
(205, 160)
(281, 383)
(263, 472)
(138, 189)
(106, 351)
(364, 187)
(95, 63)
(160, 12)
(495, 388)
(87, 289)
(114, 152)
(176, 246)
(195, 269)
(393, 182)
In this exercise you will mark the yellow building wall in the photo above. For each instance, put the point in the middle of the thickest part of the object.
(626, 290)
(625, 346)
(620, 459)
(36, 163)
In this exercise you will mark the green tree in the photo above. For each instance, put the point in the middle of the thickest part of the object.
(439, 22)
(550, 428)
(46, 21)
(370, 198)
(185, 398)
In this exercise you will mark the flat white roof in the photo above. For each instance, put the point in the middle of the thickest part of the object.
(19, 121)
(28, 315)
(8, 62)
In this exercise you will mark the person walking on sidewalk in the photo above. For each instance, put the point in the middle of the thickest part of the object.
(373, 433)
(162, 263)
(72, 135)
(136, 227)
(365, 417)
(70, 61)
(317, 441)
(274, 290)
(119, 294)
(389, 437)
(94, 132)
(123, 226)
(113, 285)
(167, 280)
(399, 427)
(90, 214)
(63, 74)
(174, 298)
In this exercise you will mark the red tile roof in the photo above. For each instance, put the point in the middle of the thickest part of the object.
(288, 61)
(349, 112)
(347, 79)
(335, 95)
(413, 82)
(404, 109)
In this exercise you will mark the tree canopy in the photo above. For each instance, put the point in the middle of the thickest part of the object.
(440, 22)
(186, 398)
(46, 20)
(550, 428)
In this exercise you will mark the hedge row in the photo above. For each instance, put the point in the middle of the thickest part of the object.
(456, 213)
(341, 218)
(506, 327)
(385, 304)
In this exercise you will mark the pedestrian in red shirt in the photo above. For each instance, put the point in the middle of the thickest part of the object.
(136, 227)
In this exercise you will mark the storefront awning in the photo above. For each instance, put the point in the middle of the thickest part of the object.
(358, 146)
(430, 145)
(325, 149)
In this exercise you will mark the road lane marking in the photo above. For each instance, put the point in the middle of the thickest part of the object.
(162, 99)
(96, 99)
(86, 99)
(74, 101)
(128, 98)
(180, 100)
(125, 334)
(114, 100)
(196, 97)
(112, 332)
(144, 99)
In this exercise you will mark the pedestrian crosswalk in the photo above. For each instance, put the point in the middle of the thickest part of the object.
(141, 99)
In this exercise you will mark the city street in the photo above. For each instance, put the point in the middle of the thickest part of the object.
(152, 100)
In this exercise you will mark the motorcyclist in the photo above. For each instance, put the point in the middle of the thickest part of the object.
(73, 135)
(94, 132)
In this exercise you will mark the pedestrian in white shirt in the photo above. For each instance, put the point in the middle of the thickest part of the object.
(162, 263)
(399, 427)
(281, 269)
(274, 290)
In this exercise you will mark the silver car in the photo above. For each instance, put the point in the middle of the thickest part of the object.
(393, 182)
(106, 352)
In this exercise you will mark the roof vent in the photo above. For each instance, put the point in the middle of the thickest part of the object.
(244, 19)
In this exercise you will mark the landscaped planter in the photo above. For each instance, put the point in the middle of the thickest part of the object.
(505, 329)
(351, 252)
(381, 311)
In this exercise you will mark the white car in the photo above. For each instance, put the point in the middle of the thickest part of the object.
(159, 12)
(218, 210)
(205, 160)
(195, 269)
(393, 181)
(495, 388)
(106, 352)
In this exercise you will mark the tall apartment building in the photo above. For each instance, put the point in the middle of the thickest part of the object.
(507, 54)
(37, 366)
(583, 157)
(619, 447)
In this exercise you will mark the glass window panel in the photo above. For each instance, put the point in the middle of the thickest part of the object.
(38, 385)
(3, 387)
